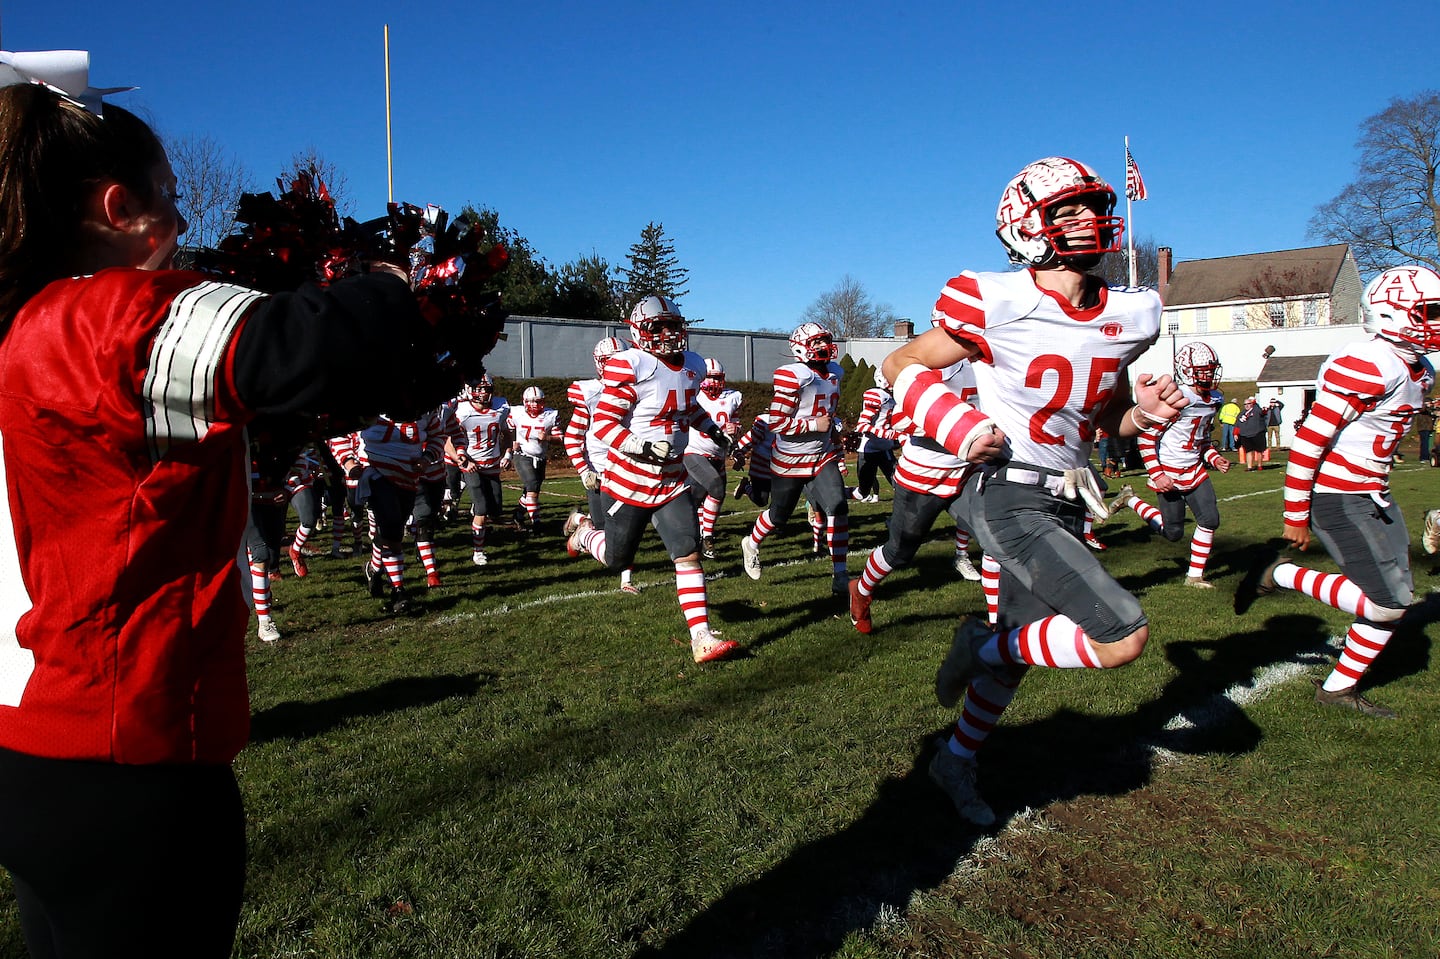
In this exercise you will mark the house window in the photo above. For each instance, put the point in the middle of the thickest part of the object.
(1277, 314)
(1312, 312)
(1237, 318)
(1202, 320)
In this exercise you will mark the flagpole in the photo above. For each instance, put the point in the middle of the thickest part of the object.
(1129, 221)
(389, 154)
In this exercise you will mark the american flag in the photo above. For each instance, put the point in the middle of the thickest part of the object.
(1134, 182)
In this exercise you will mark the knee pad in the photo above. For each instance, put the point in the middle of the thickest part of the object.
(1173, 533)
(1383, 615)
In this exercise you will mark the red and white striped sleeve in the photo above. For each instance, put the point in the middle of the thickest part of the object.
(935, 409)
(616, 399)
(575, 429)
(1332, 410)
(960, 312)
(1148, 442)
(784, 405)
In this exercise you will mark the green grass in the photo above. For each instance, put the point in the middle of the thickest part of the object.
(534, 767)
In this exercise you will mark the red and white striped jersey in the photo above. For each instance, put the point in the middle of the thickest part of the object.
(439, 425)
(801, 395)
(394, 449)
(651, 400)
(1367, 395)
(581, 446)
(485, 432)
(534, 433)
(875, 426)
(1046, 369)
(924, 466)
(1181, 447)
(758, 442)
(722, 410)
(303, 471)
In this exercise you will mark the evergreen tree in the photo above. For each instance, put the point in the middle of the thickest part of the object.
(654, 269)
(591, 289)
(527, 284)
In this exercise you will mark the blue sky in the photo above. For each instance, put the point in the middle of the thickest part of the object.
(782, 145)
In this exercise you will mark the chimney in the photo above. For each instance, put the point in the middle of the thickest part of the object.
(1166, 267)
(904, 330)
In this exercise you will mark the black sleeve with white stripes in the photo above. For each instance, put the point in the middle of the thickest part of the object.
(356, 348)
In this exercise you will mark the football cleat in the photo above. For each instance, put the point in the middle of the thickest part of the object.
(1431, 539)
(707, 547)
(267, 630)
(576, 527)
(966, 568)
(1197, 582)
(859, 608)
(707, 646)
(432, 581)
(337, 551)
(398, 604)
(297, 560)
(479, 558)
(1351, 699)
(275, 576)
(1094, 543)
(374, 581)
(742, 488)
(955, 775)
(630, 589)
(840, 583)
(963, 662)
(750, 557)
(1123, 496)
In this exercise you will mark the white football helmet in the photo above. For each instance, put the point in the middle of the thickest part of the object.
(714, 382)
(479, 391)
(1197, 366)
(605, 349)
(1024, 221)
(1402, 305)
(658, 327)
(534, 400)
(812, 343)
(880, 380)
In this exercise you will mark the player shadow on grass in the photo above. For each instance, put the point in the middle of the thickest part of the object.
(297, 720)
(909, 839)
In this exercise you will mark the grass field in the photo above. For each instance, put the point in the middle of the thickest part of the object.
(534, 767)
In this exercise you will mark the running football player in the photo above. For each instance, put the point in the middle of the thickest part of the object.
(532, 427)
(484, 453)
(705, 459)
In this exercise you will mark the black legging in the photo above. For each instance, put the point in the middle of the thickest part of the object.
(115, 860)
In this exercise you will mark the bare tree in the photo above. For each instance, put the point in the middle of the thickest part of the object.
(1390, 213)
(1115, 267)
(848, 312)
(210, 182)
(332, 176)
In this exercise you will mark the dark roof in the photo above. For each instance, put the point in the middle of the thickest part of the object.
(1257, 276)
(1290, 369)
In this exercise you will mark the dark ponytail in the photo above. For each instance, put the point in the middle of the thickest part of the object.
(53, 153)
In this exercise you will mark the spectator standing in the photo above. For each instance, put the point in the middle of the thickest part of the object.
(1227, 416)
(1274, 416)
(1251, 427)
(1425, 429)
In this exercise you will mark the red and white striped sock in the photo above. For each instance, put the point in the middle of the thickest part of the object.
(260, 588)
(962, 540)
(1332, 589)
(709, 512)
(394, 565)
(302, 536)
(477, 536)
(377, 556)
(1148, 513)
(531, 502)
(1362, 644)
(763, 527)
(837, 537)
(1054, 641)
(876, 569)
(990, 584)
(985, 702)
(690, 588)
(1200, 545)
(426, 549)
(592, 541)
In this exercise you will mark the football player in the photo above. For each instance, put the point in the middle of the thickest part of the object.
(1050, 345)
(390, 453)
(440, 431)
(532, 427)
(876, 452)
(1176, 454)
(704, 459)
(927, 481)
(301, 484)
(752, 452)
(644, 417)
(1337, 482)
(586, 451)
(482, 454)
(806, 453)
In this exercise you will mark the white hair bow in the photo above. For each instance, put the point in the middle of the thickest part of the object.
(67, 72)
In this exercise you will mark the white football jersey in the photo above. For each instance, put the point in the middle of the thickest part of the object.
(1177, 449)
(651, 401)
(801, 393)
(533, 433)
(484, 430)
(1046, 369)
(722, 411)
